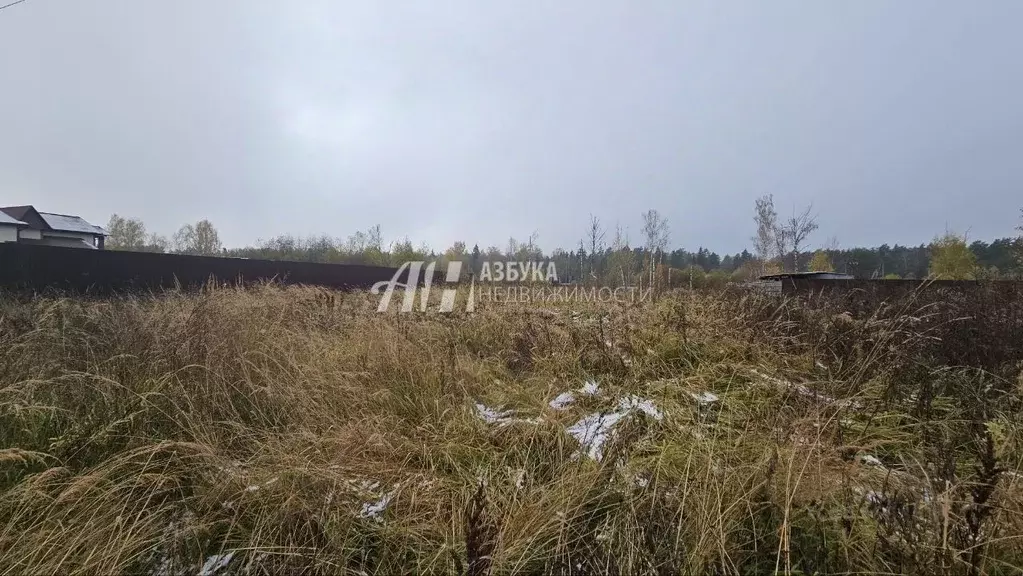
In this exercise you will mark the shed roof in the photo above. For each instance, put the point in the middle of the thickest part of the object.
(821, 275)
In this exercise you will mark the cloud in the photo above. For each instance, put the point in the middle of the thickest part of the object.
(483, 120)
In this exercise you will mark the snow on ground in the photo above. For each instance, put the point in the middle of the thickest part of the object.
(499, 417)
(215, 563)
(704, 398)
(562, 401)
(871, 461)
(490, 415)
(593, 430)
(630, 403)
(566, 399)
(375, 509)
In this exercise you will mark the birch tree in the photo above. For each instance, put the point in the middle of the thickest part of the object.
(200, 239)
(797, 229)
(655, 229)
(125, 234)
(769, 241)
(595, 237)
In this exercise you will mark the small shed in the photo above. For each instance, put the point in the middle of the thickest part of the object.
(773, 283)
(808, 276)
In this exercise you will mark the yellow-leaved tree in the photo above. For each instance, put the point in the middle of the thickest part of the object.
(952, 259)
(773, 267)
(821, 262)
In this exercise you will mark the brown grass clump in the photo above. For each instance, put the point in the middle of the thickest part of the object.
(293, 431)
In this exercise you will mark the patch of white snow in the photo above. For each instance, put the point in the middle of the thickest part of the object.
(376, 508)
(215, 563)
(592, 432)
(643, 405)
(704, 398)
(562, 401)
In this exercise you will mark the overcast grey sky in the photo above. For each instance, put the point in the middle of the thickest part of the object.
(483, 119)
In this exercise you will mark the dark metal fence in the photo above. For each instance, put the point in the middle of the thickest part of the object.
(977, 323)
(38, 268)
(894, 288)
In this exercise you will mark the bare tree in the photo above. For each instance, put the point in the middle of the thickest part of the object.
(595, 235)
(200, 239)
(373, 246)
(356, 243)
(403, 251)
(157, 243)
(770, 241)
(457, 251)
(621, 260)
(125, 234)
(532, 247)
(797, 229)
(374, 239)
(781, 244)
(528, 250)
(655, 229)
(494, 254)
(207, 238)
(1019, 241)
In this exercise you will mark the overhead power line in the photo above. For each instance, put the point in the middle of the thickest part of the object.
(11, 4)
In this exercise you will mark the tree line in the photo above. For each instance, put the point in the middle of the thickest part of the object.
(611, 256)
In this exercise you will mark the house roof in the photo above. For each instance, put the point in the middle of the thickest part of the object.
(67, 223)
(829, 275)
(5, 219)
(18, 212)
(33, 218)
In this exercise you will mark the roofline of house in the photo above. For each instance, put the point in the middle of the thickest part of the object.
(99, 230)
(4, 209)
(786, 275)
(64, 215)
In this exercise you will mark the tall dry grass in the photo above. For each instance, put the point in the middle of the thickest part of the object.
(293, 430)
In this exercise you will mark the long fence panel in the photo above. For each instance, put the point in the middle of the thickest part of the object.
(37, 267)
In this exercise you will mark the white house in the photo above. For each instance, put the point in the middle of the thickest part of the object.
(27, 225)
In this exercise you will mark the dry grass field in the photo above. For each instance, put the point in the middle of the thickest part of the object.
(296, 431)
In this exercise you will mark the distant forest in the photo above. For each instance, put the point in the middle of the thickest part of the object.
(611, 256)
